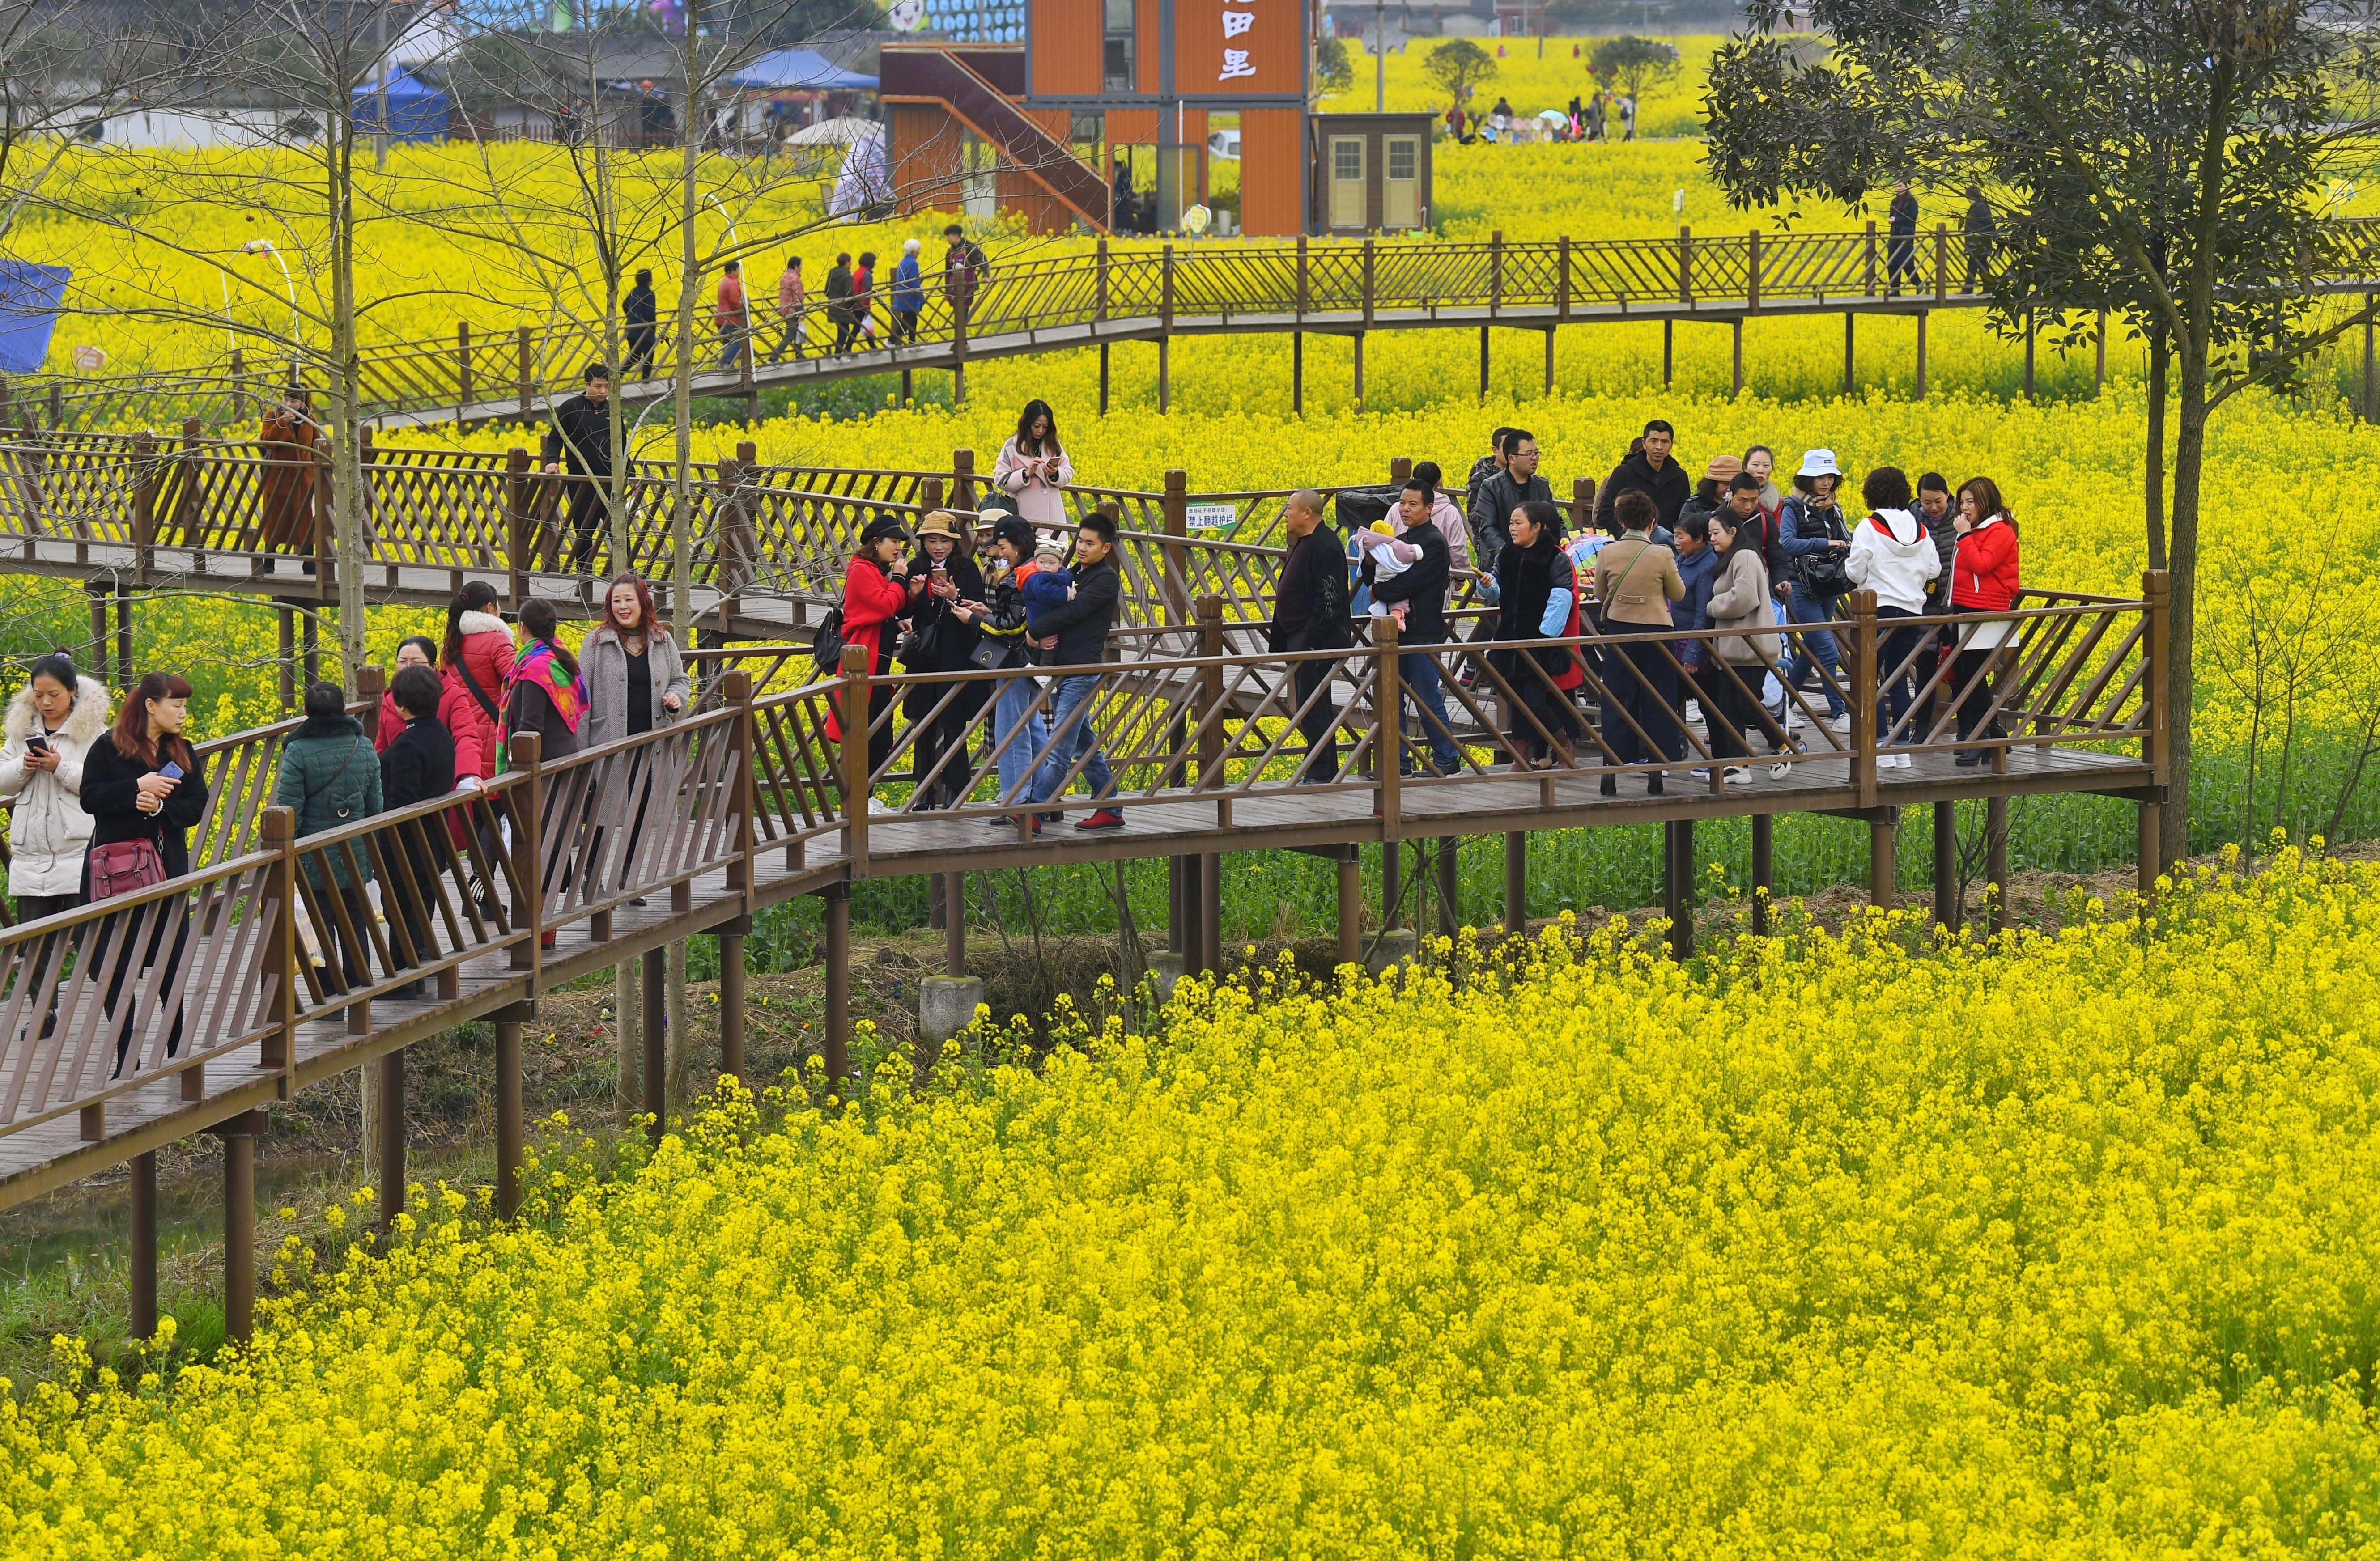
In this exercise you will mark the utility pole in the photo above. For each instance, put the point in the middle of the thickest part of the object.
(1380, 57)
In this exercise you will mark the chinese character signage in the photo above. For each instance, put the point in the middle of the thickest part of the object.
(1229, 47)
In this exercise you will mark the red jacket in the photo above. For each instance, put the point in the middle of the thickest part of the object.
(1982, 572)
(871, 601)
(730, 308)
(487, 655)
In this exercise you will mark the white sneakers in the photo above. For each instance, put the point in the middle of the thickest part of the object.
(1892, 761)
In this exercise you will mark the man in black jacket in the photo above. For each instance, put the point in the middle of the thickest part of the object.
(1647, 469)
(641, 310)
(1421, 586)
(580, 440)
(1076, 634)
(1309, 613)
(1901, 248)
(1502, 492)
(1979, 230)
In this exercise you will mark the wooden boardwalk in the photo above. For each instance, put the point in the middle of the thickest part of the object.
(742, 804)
(1150, 293)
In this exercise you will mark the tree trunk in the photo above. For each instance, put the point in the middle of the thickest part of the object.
(346, 474)
(2189, 457)
(2155, 483)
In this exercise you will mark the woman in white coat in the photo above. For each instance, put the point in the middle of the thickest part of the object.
(51, 725)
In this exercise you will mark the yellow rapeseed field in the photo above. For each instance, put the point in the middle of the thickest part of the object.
(2057, 1248)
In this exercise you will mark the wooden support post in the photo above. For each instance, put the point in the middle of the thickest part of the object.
(1737, 332)
(1297, 373)
(1359, 371)
(97, 592)
(391, 1133)
(1764, 880)
(2151, 838)
(909, 388)
(1921, 355)
(955, 924)
(960, 309)
(1881, 832)
(851, 756)
(509, 1137)
(1164, 375)
(1483, 366)
(731, 1006)
(1516, 883)
(1870, 258)
(1165, 328)
(1685, 265)
(1946, 864)
(838, 983)
(286, 617)
(1752, 271)
(125, 675)
(1211, 914)
(1103, 379)
(1941, 261)
(1850, 349)
(1449, 884)
(2370, 402)
(526, 750)
(1177, 917)
(1859, 671)
(144, 1245)
(1350, 905)
(1996, 861)
(1393, 884)
(1682, 915)
(526, 386)
(653, 984)
(1549, 361)
(1668, 351)
(239, 1135)
(1495, 272)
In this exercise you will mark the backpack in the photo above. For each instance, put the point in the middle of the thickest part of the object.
(826, 642)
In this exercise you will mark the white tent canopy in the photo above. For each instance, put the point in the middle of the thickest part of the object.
(845, 131)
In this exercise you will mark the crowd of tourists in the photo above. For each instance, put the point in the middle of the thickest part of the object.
(105, 805)
(1752, 561)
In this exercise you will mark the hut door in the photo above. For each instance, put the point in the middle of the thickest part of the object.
(1347, 184)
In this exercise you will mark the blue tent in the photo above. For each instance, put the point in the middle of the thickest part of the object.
(28, 312)
(417, 112)
(798, 70)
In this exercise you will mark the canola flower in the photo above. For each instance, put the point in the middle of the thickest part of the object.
(1875, 1244)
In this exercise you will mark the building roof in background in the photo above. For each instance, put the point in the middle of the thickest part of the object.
(788, 70)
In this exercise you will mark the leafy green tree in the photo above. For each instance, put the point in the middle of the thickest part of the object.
(1459, 65)
(1333, 71)
(1631, 64)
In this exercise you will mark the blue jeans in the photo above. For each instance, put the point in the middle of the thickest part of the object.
(1062, 746)
(1016, 697)
(1812, 610)
(1419, 674)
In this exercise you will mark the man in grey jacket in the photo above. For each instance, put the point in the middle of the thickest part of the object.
(1502, 492)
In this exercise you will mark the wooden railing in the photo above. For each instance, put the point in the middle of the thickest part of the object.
(522, 370)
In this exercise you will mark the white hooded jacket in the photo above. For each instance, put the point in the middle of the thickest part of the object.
(48, 832)
(1893, 556)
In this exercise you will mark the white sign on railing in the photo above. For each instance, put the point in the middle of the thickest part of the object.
(1210, 517)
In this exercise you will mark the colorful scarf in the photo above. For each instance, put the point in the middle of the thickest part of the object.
(539, 665)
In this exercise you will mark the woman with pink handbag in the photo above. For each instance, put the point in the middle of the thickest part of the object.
(142, 789)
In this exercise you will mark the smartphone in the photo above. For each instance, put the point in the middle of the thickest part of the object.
(171, 771)
(37, 744)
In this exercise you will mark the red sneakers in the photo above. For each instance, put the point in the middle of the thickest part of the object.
(1105, 818)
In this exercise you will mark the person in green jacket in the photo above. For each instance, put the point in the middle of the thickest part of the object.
(331, 776)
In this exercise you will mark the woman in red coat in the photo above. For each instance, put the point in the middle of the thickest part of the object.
(475, 663)
(1983, 579)
(876, 591)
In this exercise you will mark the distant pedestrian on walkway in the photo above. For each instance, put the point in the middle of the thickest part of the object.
(999, 615)
(1901, 248)
(965, 269)
(1310, 614)
(1539, 599)
(413, 650)
(838, 304)
(145, 793)
(545, 694)
(908, 293)
(1502, 492)
(1978, 229)
(863, 300)
(476, 662)
(791, 298)
(580, 445)
(641, 311)
(730, 314)
(1650, 468)
(1075, 633)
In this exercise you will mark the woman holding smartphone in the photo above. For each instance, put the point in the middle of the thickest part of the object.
(943, 641)
(1033, 469)
(142, 784)
(52, 724)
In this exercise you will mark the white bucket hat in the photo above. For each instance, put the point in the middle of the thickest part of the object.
(1819, 462)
